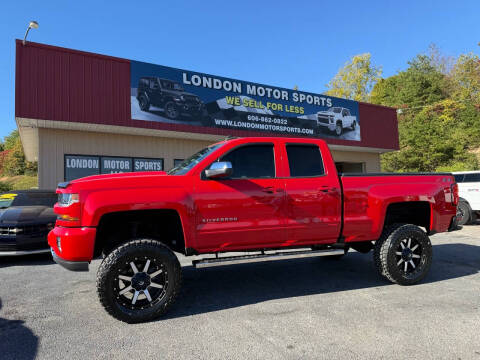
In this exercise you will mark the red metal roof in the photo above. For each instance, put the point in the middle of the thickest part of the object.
(60, 84)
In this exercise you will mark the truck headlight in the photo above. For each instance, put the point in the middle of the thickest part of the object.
(65, 200)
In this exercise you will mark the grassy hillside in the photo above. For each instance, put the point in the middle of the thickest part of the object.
(19, 182)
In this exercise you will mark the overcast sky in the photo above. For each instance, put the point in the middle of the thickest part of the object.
(280, 43)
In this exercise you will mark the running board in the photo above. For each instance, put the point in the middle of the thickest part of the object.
(230, 260)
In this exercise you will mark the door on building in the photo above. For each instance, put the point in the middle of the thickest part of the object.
(313, 200)
(247, 207)
(350, 167)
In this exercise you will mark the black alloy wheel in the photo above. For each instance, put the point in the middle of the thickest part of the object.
(408, 255)
(139, 281)
(403, 254)
(171, 110)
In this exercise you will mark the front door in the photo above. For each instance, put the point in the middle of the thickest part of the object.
(313, 198)
(244, 210)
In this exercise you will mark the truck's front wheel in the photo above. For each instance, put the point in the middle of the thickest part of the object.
(139, 281)
(338, 128)
(403, 254)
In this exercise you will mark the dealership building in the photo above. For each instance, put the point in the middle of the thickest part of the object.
(82, 113)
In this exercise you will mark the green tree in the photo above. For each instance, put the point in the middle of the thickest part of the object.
(10, 140)
(465, 77)
(439, 137)
(421, 84)
(439, 122)
(15, 162)
(356, 79)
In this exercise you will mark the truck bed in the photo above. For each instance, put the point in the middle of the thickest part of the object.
(366, 198)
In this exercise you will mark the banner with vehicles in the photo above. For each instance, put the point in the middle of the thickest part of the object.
(165, 94)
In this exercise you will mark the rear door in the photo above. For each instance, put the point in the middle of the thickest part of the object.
(245, 210)
(313, 197)
(155, 92)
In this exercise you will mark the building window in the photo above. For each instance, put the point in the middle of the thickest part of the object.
(350, 167)
(177, 162)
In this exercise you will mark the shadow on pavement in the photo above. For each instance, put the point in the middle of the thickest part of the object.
(16, 340)
(226, 287)
(26, 260)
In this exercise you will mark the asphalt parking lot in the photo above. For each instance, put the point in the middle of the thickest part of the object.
(294, 309)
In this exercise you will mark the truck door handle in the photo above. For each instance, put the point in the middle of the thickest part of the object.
(327, 189)
(268, 189)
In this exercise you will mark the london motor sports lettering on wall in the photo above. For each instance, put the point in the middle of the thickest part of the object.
(78, 166)
(169, 95)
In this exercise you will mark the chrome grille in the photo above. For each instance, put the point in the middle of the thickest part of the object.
(23, 230)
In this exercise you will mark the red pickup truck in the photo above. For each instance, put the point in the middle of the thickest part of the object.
(270, 198)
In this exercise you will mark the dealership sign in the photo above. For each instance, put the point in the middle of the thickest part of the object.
(78, 166)
(169, 95)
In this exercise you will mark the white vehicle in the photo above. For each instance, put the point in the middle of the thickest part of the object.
(336, 119)
(469, 192)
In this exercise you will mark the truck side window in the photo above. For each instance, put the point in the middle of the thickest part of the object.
(252, 162)
(472, 177)
(305, 160)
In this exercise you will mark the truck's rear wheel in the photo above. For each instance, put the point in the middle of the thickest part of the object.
(143, 103)
(464, 213)
(403, 254)
(139, 281)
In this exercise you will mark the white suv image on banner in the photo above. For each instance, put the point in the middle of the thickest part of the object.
(469, 192)
(336, 119)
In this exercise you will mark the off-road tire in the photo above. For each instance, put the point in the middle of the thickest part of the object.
(385, 257)
(143, 103)
(354, 125)
(169, 114)
(465, 213)
(112, 263)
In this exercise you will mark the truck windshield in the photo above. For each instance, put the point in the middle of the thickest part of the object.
(335, 109)
(193, 160)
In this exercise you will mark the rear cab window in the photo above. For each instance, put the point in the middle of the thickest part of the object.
(459, 178)
(472, 177)
(305, 160)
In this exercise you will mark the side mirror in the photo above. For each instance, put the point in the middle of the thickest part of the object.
(219, 169)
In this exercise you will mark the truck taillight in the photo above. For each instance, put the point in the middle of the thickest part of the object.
(454, 193)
